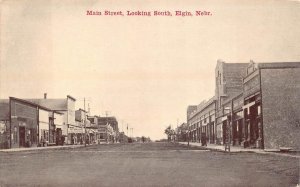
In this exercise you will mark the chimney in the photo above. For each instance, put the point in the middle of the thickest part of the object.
(45, 95)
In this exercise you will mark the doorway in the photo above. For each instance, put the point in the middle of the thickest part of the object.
(22, 137)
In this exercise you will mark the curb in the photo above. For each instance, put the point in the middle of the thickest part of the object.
(246, 151)
(41, 148)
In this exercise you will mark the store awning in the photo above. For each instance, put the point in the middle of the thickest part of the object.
(75, 130)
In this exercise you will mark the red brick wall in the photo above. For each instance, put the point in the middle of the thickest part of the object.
(281, 107)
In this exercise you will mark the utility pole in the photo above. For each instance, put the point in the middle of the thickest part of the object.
(176, 132)
(188, 133)
(123, 132)
(107, 135)
(84, 124)
(127, 130)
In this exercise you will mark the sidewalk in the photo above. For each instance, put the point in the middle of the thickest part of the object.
(237, 149)
(41, 148)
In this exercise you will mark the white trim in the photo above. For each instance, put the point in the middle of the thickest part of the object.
(224, 118)
(248, 105)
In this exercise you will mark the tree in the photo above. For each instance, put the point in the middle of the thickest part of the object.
(168, 132)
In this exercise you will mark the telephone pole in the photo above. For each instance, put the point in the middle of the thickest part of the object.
(107, 134)
(84, 121)
(127, 130)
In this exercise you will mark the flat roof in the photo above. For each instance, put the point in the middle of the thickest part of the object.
(30, 103)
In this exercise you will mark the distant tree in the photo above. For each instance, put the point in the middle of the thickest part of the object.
(168, 132)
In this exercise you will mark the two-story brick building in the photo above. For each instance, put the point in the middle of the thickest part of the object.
(256, 105)
(202, 122)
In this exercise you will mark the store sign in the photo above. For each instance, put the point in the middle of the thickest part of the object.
(75, 130)
(22, 124)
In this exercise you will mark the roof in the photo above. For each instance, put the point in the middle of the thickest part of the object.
(110, 120)
(270, 65)
(4, 100)
(68, 96)
(4, 111)
(105, 120)
(57, 112)
(54, 104)
(91, 119)
(203, 105)
(30, 103)
(80, 109)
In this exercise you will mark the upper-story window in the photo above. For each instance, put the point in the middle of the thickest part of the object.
(219, 78)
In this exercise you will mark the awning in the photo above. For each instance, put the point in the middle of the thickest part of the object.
(249, 105)
(75, 130)
(91, 131)
(224, 118)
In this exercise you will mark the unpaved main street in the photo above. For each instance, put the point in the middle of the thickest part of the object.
(148, 164)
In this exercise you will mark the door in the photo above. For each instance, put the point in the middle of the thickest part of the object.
(22, 136)
(59, 136)
(224, 127)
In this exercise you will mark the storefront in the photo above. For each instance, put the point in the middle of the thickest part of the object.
(24, 124)
(237, 127)
(76, 135)
(253, 123)
(44, 135)
(4, 134)
(59, 126)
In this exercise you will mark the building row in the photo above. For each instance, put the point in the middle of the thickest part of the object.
(45, 122)
(255, 105)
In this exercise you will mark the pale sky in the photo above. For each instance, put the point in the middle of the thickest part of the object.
(143, 70)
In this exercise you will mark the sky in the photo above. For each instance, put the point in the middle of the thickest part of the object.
(145, 70)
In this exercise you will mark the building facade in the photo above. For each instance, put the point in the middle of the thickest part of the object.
(256, 106)
(27, 124)
(65, 106)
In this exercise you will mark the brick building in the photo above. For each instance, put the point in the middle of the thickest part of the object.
(107, 128)
(228, 84)
(202, 122)
(27, 124)
(272, 94)
(256, 105)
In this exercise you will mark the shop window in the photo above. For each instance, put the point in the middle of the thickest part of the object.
(45, 135)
